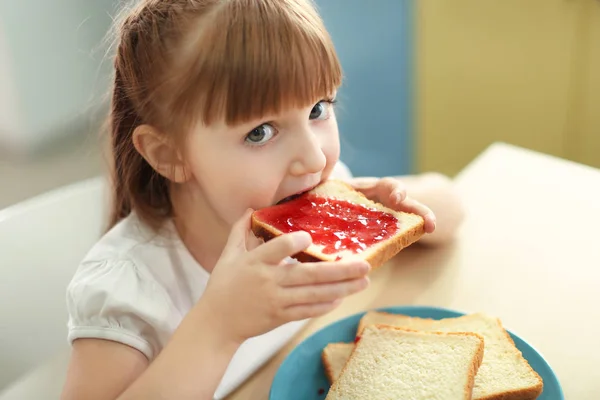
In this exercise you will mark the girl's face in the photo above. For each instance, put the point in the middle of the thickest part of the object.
(260, 163)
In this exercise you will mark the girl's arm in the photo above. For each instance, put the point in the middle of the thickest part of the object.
(249, 293)
(190, 366)
(438, 193)
(101, 369)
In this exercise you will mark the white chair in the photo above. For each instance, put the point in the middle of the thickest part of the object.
(42, 240)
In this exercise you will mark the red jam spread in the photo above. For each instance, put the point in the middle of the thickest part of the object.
(336, 224)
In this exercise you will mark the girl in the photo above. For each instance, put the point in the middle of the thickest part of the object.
(219, 107)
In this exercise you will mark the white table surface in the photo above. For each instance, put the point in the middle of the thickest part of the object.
(528, 253)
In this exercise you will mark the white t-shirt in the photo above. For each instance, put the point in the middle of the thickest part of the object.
(135, 287)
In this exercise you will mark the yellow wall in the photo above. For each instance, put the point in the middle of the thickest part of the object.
(583, 139)
(509, 70)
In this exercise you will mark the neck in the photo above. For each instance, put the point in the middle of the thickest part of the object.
(200, 229)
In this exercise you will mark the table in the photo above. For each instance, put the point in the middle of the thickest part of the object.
(528, 253)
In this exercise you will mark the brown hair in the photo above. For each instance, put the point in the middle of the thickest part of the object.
(180, 62)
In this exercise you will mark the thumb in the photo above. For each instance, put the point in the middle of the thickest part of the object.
(239, 232)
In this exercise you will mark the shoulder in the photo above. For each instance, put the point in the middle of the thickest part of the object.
(117, 299)
(123, 240)
(126, 289)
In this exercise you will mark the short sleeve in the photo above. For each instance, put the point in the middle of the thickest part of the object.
(341, 171)
(115, 300)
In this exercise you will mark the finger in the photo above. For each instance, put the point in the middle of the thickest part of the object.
(322, 293)
(276, 250)
(390, 191)
(321, 272)
(412, 206)
(366, 185)
(385, 190)
(239, 232)
(252, 241)
(305, 311)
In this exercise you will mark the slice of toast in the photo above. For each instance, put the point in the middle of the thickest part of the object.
(504, 373)
(334, 357)
(342, 222)
(393, 363)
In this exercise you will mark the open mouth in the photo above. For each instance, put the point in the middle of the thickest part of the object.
(290, 198)
(294, 196)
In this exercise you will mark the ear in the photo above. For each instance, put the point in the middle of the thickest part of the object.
(160, 153)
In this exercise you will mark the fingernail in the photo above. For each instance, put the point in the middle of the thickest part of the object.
(365, 267)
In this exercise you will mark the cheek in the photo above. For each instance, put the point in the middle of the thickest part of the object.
(332, 150)
(253, 178)
(214, 158)
(228, 179)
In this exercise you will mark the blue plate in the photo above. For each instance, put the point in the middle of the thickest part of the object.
(301, 375)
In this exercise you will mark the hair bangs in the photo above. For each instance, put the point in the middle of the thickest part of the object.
(258, 58)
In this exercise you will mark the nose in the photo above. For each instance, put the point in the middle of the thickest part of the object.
(308, 155)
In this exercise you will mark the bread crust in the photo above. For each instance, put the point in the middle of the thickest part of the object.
(531, 393)
(326, 365)
(393, 247)
(362, 324)
(475, 364)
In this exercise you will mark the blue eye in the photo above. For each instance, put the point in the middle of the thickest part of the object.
(321, 110)
(261, 134)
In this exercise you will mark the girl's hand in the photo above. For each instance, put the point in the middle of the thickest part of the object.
(391, 193)
(252, 290)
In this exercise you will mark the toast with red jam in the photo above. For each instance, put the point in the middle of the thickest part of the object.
(342, 223)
